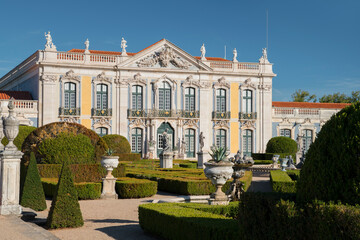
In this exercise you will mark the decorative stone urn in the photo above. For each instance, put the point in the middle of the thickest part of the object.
(109, 163)
(218, 173)
(11, 129)
(283, 162)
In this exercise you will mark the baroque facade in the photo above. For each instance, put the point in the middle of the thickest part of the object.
(162, 87)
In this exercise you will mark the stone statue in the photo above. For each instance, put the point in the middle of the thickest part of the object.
(201, 141)
(235, 55)
(291, 162)
(203, 51)
(238, 156)
(166, 141)
(183, 146)
(49, 44)
(87, 44)
(264, 51)
(123, 47)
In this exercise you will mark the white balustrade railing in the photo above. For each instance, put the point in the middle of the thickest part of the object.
(68, 56)
(248, 66)
(309, 111)
(227, 65)
(22, 106)
(221, 64)
(284, 111)
(296, 111)
(103, 58)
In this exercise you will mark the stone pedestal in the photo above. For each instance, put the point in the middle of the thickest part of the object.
(10, 182)
(200, 160)
(108, 191)
(166, 160)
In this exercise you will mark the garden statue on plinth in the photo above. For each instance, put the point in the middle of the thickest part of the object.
(240, 165)
(166, 156)
(151, 149)
(200, 154)
(283, 163)
(291, 163)
(109, 162)
(182, 149)
(218, 170)
(10, 166)
(275, 160)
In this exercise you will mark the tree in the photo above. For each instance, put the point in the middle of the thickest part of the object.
(341, 98)
(303, 96)
(33, 193)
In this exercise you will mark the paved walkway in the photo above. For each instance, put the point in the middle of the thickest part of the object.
(103, 219)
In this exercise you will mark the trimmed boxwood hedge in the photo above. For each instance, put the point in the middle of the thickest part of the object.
(117, 143)
(135, 188)
(281, 145)
(80, 172)
(52, 130)
(281, 182)
(128, 156)
(85, 190)
(174, 221)
(267, 216)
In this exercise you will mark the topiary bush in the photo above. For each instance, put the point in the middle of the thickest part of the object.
(24, 131)
(52, 130)
(78, 149)
(32, 195)
(65, 209)
(281, 145)
(332, 168)
(117, 143)
(135, 188)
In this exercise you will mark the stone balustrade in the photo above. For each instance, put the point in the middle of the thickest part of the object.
(156, 113)
(250, 115)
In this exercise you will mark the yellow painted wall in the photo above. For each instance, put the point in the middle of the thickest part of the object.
(234, 126)
(234, 137)
(86, 95)
(234, 93)
(86, 123)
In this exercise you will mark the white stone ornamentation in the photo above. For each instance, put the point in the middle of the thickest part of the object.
(221, 124)
(235, 55)
(70, 75)
(246, 124)
(49, 46)
(203, 52)
(102, 78)
(222, 83)
(87, 44)
(265, 87)
(264, 57)
(49, 78)
(248, 84)
(123, 47)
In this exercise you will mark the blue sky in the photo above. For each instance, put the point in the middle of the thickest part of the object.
(314, 45)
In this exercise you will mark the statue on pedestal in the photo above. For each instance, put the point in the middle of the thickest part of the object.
(49, 44)
(235, 55)
(201, 141)
(87, 44)
(123, 47)
(166, 142)
(203, 51)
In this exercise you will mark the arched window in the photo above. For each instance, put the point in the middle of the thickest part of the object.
(164, 96)
(221, 138)
(190, 142)
(285, 133)
(189, 99)
(247, 101)
(307, 139)
(136, 140)
(137, 97)
(101, 131)
(102, 96)
(247, 142)
(70, 95)
(221, 100)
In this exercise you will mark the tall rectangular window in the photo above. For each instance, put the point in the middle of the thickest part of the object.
(102, 96)
(221, 138)
(164, 96)
(220, 100)
(247, 101)
(247, 142)
(137, 97)
(70, 95)
(189, 99)
(307, 139)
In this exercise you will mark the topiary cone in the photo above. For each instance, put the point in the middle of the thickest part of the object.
(32, 195)
(65, 209)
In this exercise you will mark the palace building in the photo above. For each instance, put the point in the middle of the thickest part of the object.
(140, 95)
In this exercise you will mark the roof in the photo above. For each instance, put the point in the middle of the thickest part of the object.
(18, 95)
(132, 54)
(309, 105)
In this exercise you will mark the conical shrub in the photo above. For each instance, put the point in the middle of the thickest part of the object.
(32, 195)
(65, 209)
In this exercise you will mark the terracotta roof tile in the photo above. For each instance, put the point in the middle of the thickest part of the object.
(214, 59)
(18, 95)
(309, 105)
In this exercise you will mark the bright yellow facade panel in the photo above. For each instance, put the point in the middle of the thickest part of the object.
(234, 93)
(86, 123)
(86, 95)
(234, 137)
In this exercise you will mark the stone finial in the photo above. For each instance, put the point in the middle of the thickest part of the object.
(235, 55)
(123, 47)
(49, 46)
(203, 51)
(87, 44)
(11, 126)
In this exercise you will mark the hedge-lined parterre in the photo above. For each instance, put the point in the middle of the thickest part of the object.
(135, 188)
(282, 182)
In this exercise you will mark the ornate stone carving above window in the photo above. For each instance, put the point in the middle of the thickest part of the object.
(70, 75)
(189, 81)
(102, 78)
(70, 119)
(137, 123)
(164, 58)
(265, 87)
(137, 79)
(190, 123)
(248, 124)
(248, 84)
(221, 124)
(101, 122)
(49, 78)
(222, 83)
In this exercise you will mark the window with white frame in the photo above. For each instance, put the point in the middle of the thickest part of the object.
(101, 131)
(247, 142)
(102, 96)
(221, 138)
(189, 99)
(136, 140)
(137, 97)
(164, 96)
(70, 95)
(307, 139)
(285, 133)
(221, 100)
(247, 101)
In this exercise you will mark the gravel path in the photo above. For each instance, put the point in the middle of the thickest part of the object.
(108, 219)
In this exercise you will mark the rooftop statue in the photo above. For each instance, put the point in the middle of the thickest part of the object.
(87, 44)
(203, 51)
(201, 141)
(235, 55)
(49, 44)
(123, 47)
(264, 51)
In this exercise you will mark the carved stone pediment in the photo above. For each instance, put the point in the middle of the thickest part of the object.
(102, 78)
(70, 75)
(222, 83)
(248, 84)
(265, 87)
(221, 124)
(307, 121)
(102, 121)
(137, 123)
(247, 124)
(137, 79)
(70, 119)
(49, 78)
(190, 123)
(164, 57)
(165, 78)
(189, 81)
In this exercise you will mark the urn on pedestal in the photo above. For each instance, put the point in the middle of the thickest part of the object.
(109, 162)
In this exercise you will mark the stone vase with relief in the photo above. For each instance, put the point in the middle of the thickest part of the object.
(109, 163)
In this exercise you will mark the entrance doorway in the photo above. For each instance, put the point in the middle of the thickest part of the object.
(160, 131)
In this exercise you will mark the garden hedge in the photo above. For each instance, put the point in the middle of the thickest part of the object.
(80, 172)
(52, 130)
(117, 143)
(331, 171)
(77, 149)
(265, 216)
(85, 190)
(24, 131)
(128, 156)
(281, 182)
(268, 156)
(281, 145)
(135, 188)
(174, 221)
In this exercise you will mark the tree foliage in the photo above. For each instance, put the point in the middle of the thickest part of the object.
(303, 96)
(341, 98)
(281, 145)
(119, 144)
